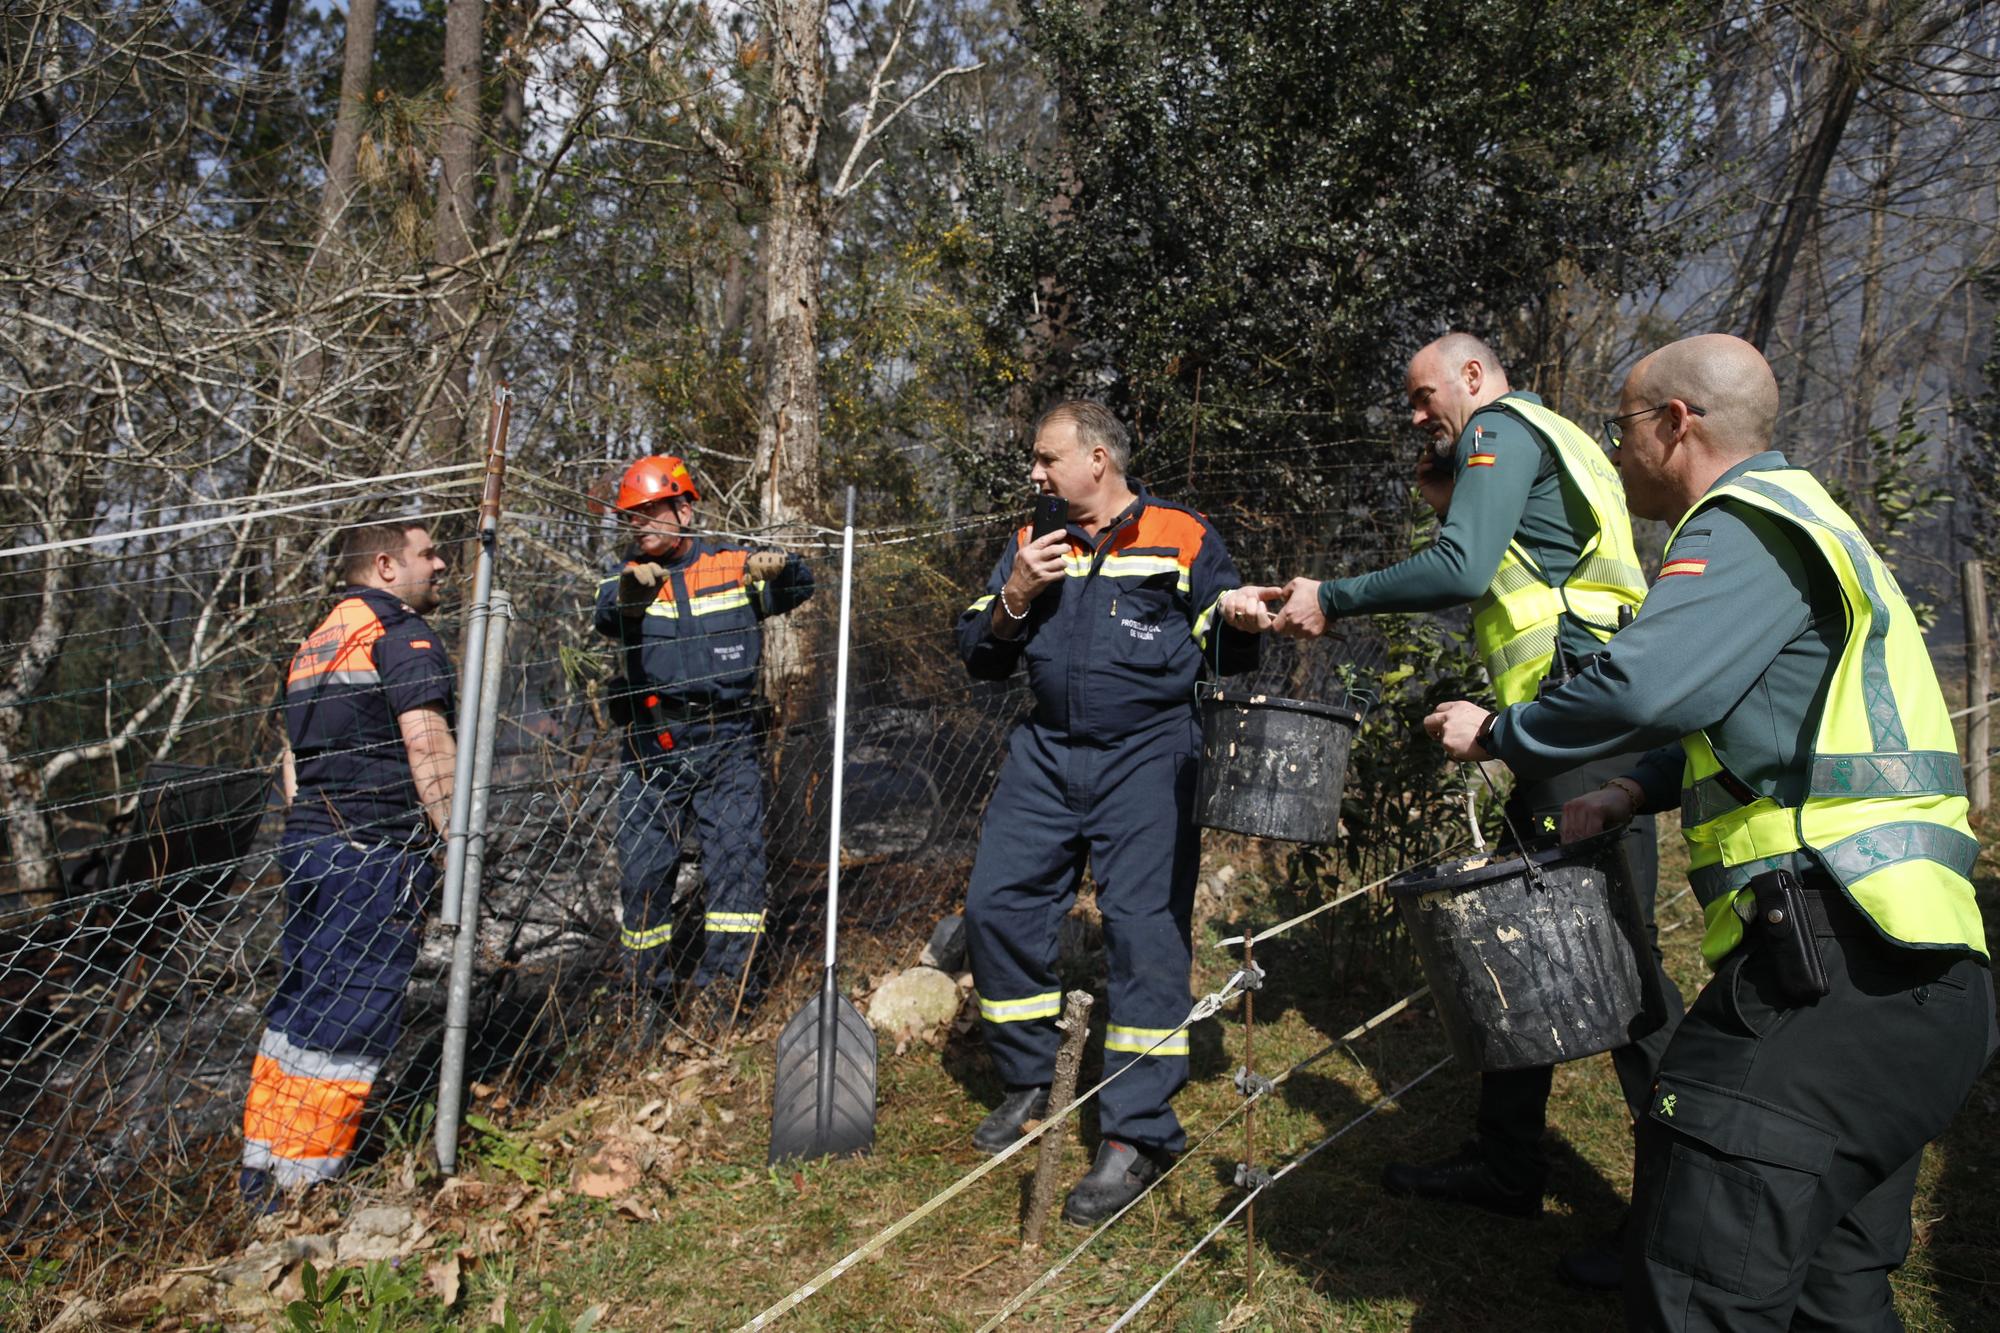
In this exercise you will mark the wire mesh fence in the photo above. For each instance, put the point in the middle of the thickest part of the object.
(145, 959)
(149, 883)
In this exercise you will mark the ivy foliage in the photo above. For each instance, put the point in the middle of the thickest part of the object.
(1280, 200)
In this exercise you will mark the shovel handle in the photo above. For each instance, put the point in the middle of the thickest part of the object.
(839, 739)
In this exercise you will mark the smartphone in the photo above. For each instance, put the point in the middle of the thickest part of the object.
(1051, 515)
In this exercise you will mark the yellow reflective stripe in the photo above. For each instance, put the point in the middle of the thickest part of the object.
(1145, 566)
(717, 601)
(736, 923)
(1146, 1041)
(1532, 644)
(1045, 1005)
(645, 939)
(667, 609)
(1202, 621)
(980, 605)
(1605, 573)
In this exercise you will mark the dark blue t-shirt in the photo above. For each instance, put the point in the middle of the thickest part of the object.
(370, 659)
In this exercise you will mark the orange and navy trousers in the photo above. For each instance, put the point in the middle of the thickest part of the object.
(354, 918)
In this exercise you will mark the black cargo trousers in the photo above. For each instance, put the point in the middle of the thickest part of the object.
(1778, 1158)
(1514, 1103)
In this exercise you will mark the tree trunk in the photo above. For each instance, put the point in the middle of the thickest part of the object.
(29, 865)
(1803, 204)
(456, 223)
(787, 457)
(1866, 384)
(735, 297)
(357, 65)
(500, 220)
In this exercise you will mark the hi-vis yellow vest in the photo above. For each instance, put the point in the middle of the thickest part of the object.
(1884, 810)
(1516, 620)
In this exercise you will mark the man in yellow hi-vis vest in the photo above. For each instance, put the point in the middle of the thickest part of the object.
(1534, 534)
(1802, 733)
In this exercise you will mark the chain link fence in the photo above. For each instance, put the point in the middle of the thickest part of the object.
(139, 953)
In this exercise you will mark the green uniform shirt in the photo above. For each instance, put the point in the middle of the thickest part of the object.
(1740, 645)
(1518, 494)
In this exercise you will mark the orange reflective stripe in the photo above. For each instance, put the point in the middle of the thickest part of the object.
(716, 571)
(1158, 527)
(1157, 530)
(302, 1118)
(344, 643)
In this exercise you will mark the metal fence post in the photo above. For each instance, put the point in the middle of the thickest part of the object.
(472, 673)
(465, 946)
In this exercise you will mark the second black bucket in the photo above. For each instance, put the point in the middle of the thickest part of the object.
(1272, 767)
(1532, 969)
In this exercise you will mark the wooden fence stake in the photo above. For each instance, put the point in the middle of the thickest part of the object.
(1075, 1025)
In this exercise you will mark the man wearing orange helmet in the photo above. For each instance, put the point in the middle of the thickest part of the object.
(686, 612)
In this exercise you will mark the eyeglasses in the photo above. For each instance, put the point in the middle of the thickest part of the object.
(1614, 427)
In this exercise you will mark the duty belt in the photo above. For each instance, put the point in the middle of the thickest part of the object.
(658, 723)
(678, 713)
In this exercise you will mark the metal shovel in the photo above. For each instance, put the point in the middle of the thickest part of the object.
(823, 1099)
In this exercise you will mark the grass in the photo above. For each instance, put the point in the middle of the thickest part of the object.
(1333, 1252)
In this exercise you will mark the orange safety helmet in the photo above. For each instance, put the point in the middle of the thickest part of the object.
(655, 477)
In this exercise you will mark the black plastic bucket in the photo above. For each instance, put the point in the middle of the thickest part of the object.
(1272, 767)
(1533, 970)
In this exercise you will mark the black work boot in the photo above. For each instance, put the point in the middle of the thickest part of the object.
(1598, 1267)
(652, 1018)
(998, 1131)
(1464, 1177)
(1121, 1174)
(260, 1194)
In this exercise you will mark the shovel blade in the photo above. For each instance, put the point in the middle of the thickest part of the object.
(823, 1099)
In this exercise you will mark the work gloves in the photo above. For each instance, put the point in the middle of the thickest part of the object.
(638, 585)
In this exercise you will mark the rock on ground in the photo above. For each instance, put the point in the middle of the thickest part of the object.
(914, 1003)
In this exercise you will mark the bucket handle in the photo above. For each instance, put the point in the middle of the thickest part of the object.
(1359, 697)
(1527, 857)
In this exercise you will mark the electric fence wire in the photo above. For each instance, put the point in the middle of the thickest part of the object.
(200, 524)
(1387, 1099)
(827, 539)
(1204, 1008)
(261, 497)
(1359, 1030)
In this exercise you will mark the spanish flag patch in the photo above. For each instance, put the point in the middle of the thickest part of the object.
(1673, 567)
(1482, 453)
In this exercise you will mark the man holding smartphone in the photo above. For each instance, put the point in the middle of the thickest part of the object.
(1813, 761)
(1113, 610)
